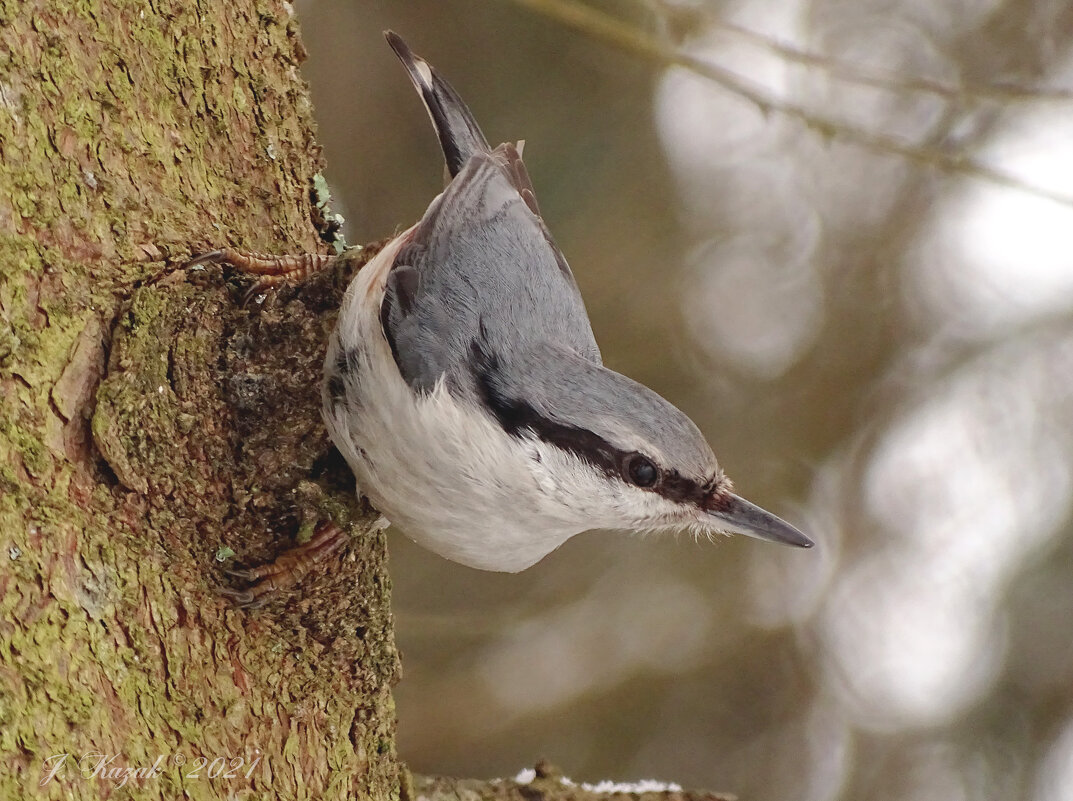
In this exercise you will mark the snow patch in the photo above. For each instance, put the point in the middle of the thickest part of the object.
(526, 775)
(642, 786)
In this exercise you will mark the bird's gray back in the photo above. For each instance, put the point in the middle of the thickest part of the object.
(481, 266)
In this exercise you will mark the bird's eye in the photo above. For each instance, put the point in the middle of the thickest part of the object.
(640, 471)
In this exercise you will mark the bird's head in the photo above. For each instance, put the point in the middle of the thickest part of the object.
(618, 454)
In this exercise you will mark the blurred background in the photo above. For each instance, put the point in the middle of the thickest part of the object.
(879, 348)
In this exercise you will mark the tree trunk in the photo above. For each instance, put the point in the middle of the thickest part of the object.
(149, 423)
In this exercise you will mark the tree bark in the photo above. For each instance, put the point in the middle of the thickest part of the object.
(149, 423)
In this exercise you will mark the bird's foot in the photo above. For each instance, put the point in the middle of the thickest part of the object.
(287, 569)
(272, 270)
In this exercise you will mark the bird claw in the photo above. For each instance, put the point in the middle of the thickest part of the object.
(256, 289)
(212, 257)
(285, 570)
(241, 575)
(246, 599)
(271, 270)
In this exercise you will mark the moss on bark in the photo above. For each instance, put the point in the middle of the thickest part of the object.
(147, 419)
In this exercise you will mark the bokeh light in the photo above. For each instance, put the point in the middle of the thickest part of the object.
(880, 350)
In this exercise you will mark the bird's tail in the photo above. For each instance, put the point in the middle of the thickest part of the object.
(460, 136)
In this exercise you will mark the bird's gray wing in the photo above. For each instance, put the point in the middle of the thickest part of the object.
(480, 266)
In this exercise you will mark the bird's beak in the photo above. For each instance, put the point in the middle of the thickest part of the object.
(738, 516)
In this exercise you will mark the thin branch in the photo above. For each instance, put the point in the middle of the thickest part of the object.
(597, 24)
(881, 79)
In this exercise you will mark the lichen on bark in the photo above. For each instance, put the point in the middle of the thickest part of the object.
(147, 419)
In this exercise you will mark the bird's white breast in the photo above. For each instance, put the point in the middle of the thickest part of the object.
(441, 470)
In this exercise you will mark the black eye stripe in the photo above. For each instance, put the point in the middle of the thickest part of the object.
(517, 417)
(678, 488)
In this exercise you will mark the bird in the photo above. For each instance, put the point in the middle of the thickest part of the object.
(465, 389)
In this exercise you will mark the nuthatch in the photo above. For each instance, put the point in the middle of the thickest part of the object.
(465, 389)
